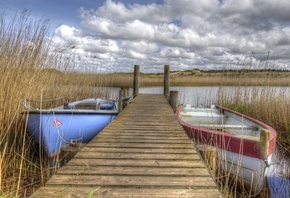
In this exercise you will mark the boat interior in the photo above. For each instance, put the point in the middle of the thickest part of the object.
(212, 118)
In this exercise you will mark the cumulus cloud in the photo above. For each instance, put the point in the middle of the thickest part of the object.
(185, 34)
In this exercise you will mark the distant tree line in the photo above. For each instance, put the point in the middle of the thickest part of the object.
(236, 70)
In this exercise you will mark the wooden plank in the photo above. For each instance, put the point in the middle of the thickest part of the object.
(227, 126)
(112, 131)
(134, 162)
(138, 145)
(139, 118)
(148, 136)
(94, 155)
(144, 131)
(130, 124)
(144, 141)
(91, 148)
(143, 135)
(131, 181)
(105, 192)
(140, 121)
(145, 171)
(144, 127)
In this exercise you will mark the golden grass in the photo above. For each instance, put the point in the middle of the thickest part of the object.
(26, 72)
(268, 104)
(203, 78)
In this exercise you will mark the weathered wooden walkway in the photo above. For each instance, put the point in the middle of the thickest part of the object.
(144, 152)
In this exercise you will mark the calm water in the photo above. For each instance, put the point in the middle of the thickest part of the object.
(197, 96)
(207, 95)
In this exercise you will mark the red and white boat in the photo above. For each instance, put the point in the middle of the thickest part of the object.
(244, 146)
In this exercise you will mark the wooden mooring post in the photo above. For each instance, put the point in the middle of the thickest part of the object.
(173, 100)
(136, 80)
(208, 154)
(166, 84)
(124, 98)
(69, 151)
(171, 96)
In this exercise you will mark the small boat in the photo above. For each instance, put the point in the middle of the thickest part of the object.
(70, 123)
(244, 146)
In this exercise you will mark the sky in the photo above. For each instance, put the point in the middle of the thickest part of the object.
(115, 35)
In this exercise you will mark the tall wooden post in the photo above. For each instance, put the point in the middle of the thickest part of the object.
(126, 91)
(264, 142)
(173, 99)
(208, 153)
(136, 80)
(123, 98)
(166, 81)
(121, 101)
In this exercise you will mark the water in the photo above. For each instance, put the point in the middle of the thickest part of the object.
(207, 95)
(278, 176)
(198, 96)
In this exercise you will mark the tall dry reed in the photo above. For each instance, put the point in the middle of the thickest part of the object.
(31, 68)
(268, 104)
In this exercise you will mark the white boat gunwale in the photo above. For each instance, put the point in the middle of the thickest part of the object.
(70, 111)
(71, 108)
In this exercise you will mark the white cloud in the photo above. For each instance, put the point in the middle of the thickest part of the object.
(190, 34)
(141, 46)
(176, 53)
(134, 54)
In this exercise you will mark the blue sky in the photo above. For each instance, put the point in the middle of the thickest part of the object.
(112, 36)
(57, 11)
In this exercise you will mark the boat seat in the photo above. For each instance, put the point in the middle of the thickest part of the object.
(86, 106)
(227, 126)
(202, 114)
(94, 106)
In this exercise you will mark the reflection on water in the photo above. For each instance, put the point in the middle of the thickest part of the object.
(197, 96)
(278, 176)
(207, 95)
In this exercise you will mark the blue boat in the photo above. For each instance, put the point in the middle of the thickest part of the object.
(76, 122)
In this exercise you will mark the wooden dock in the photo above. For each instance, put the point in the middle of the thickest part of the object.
(144, 152)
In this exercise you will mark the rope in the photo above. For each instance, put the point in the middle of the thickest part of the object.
(72, 141)
(27, 102)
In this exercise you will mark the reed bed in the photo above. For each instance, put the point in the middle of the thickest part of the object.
(203, 78)
(26, 58)
(267, 103)
(230, 78)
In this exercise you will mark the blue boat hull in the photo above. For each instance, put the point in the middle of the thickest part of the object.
(54, 130)
(76, 122)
